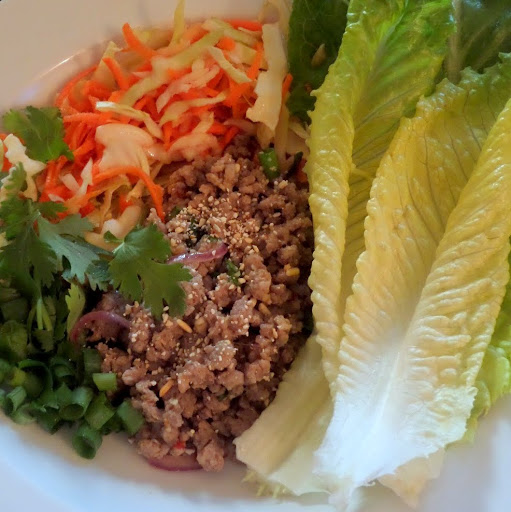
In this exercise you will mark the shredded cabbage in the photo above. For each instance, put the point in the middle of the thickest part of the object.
(178, 108)
(236, 74)
(133, 113)
(268, 88)
(214, 24)
(179, 25)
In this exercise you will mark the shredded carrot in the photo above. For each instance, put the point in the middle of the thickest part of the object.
(229, 135)
(194, 32)
(254, 26)
(116, 96)
(301, 177)
(95, 88)
(226, 43)
(174, 74)
(217, 129)
(155, 190)
(52, 177)
(6, 165)
(253, 70)
(286, 84)
(213, 83)
(208, 91)
(64, 93)
(87, 146)
(124, 203)
(89, 118)
(135, 44)
(145, 66)
(85, 210)
(117, 73)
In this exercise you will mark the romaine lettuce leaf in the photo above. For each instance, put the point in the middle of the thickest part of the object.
(494, 379)
(483, 31)
(427, 292)
(372, 48)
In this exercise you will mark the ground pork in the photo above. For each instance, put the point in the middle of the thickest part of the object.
(201, 380)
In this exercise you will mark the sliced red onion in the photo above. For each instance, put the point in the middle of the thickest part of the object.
(95, 316)
(176, 463)
(200, 257)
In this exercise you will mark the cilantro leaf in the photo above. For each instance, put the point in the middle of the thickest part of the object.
(138, 274)
(42, 131)
(313, 24)
(65, 240)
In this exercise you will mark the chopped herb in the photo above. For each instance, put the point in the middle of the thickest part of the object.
(110, 238)
(269, 163)
(42, 131)
(233, 272)
(174, 212)
(139, 271)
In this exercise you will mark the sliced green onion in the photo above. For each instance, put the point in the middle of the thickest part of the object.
(99, 412)
(49, 420)
(5, 369)
(63, 370)
(105, 381)
(87, 441)
(17, 377)
(91, 361)
(80, 400)
(63, 396)
(24, 415)
(14, 399)
(38, 377)
(269, 163)
(114, 424)
(33, 385)
(132, 419)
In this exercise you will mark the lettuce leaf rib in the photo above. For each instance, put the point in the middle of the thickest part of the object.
(399, 369)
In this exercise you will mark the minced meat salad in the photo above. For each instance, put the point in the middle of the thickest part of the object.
(203, 379)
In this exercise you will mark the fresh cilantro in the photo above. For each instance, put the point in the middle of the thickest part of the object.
(64, 238)
(42, 131)
(233, 272)
(110, 238)
(139, 271)
(316, 28)
(75, 301)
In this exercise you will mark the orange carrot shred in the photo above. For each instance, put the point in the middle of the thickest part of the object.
(229, 135)
(155, 190)
(90, 118)
(64, 93)
(226, 43)
(117, 73)
(254, 26)
(135, 44)
(286, 84)
(253, 71)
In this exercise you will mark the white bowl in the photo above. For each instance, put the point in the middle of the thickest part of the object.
(42, 42)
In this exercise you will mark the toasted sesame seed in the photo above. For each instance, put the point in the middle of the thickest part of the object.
(184, 326)
(264, 309)
(292, 272)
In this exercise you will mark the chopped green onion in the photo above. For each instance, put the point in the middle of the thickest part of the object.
(87, 441)
(91, 361)
(24, 415)
(33, 385)
(63, 396)
(174, 212)
(105, 381)
(114, 424)
(16, 310)
(80, 400)
(5, 369)
(14, 399)
(50, 421)
(132, 419)
(269, 163)
(63, 370)
(99, 412)
(17, 377)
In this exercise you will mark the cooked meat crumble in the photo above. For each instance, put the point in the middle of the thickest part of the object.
(202, 380)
